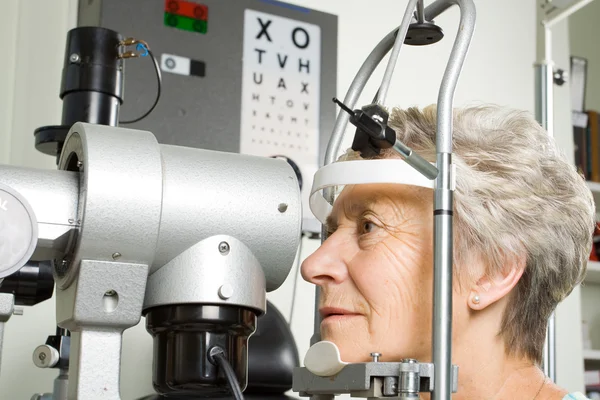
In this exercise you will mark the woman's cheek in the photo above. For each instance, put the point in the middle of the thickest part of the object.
(384, 280)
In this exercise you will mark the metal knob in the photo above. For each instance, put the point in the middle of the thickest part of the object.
(409, 382)
(45, 356)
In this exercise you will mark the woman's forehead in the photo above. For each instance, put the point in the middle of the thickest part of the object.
(354, 199)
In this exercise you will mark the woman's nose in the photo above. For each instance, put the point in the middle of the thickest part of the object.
(326, 265)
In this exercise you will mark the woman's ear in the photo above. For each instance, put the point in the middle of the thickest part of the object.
(490, 289)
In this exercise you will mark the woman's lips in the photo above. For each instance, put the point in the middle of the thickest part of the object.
(336, 314)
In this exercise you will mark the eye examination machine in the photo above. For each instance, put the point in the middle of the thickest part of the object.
(196, 148)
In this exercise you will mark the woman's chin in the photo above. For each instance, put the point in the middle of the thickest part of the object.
(351, 341)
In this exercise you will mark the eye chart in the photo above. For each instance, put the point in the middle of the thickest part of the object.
(281, 91)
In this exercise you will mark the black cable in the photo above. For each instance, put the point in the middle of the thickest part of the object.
(158, 91)
(218, 355)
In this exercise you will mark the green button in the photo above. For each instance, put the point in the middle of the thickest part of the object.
(185, 23)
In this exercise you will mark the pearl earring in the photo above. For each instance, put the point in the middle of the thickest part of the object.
(476, 299)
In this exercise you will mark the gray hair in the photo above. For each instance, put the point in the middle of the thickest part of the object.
(516, 196)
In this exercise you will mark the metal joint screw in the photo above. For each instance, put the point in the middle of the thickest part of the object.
(223, 247)
(74, 58)
(225, 291)
(79, 164)
(377, 118)
(375, 356)
(282, 207)
(116, 256)
(61, 267)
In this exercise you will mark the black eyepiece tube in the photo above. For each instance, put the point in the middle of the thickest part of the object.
(91, 86)
(30, 285)
(92, 78)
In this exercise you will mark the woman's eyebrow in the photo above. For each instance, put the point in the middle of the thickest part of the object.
(350, 210)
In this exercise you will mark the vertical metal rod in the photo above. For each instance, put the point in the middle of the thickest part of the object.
(420, 12)
(548, 46)
(400, 36)
(544, 98)
(549, 362)
(443, 207)
(442, 281)
(61, 385)
(544, 110)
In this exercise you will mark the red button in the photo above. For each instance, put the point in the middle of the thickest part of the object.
(187, 9)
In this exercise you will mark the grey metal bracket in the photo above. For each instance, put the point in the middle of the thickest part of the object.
(372, 380)
(7, 305)
(105, 299)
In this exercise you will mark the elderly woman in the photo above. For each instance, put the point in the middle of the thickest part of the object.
(523, 225)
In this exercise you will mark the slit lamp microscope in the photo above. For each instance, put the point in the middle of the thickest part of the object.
(193, 239)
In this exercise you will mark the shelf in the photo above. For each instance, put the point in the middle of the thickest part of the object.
(593, 272)
(591, 355)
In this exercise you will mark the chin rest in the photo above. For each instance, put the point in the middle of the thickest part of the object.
(272, 357)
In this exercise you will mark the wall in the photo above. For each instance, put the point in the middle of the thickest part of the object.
(498, 70)
(584, 43)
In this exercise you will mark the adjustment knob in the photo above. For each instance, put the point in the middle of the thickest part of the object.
(45, 356)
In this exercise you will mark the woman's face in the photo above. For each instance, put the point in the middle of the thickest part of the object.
(375, 273)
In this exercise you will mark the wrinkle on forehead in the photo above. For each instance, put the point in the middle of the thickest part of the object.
(352, 202)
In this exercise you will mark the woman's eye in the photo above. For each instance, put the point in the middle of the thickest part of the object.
(367, 227)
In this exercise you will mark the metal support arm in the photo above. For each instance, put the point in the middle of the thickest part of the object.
(7, 306)
(105, 299)
(373, 380)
